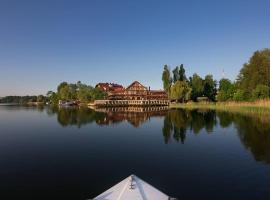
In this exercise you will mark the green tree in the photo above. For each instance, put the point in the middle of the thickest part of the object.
(52, 97)
(65, 93)
(241, 95)
(166, 78)
(176, 74)
(182, 73)
(197, 86)
(180, 91)
(60, 86)
(255, 72)
(84, 93)
(210, 87)
(97, 93)
(261, 92)
(41, 98)
(226, 90)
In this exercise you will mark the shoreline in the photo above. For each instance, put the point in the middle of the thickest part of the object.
(258, 107)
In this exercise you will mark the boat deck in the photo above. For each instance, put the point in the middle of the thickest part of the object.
(133, 188)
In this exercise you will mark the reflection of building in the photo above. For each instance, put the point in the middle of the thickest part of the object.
(134, 115)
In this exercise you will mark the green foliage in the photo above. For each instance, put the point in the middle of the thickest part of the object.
(18, 99)
(241, 95)
(256, 71)
(52, 97)
(41, 98)
(65, 93)
(261, 92)
(226, 90)
(182, 75)
(210, 87)
(179, 74)
(166, 78)
(175, 74)
(196, 83)
(84, 93)
(97, 93)
(79, 91)
(180, 91)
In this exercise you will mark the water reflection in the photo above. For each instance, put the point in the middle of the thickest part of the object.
(176, 123)
(255, 135)
(254, 132)
(75, 116)
(136, 116)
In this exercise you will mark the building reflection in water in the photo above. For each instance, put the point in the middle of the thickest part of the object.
(134, 115)
(253, 131)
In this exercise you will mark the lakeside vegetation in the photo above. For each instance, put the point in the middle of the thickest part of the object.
(252, 83)
(259, 107)
(65, 91)
(75, 92)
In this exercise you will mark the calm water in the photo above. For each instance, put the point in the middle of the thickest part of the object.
(78, 153)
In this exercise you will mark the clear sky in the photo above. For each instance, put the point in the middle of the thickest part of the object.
(44, 42)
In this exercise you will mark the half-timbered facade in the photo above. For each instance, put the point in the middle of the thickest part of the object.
(137, 91)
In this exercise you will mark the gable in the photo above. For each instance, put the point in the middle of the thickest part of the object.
(136, 86)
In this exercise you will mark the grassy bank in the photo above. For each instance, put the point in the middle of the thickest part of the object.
(261, 107)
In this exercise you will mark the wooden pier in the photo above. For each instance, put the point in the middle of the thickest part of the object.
(120, 103)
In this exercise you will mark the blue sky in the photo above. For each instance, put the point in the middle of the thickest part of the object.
(45, 42)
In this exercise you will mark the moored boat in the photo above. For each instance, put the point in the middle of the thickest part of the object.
(133, 188)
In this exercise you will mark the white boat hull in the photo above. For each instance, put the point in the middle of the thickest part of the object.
(132, 188)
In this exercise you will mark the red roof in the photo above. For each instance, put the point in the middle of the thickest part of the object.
(110, 86)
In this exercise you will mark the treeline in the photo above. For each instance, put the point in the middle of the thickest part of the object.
(75, 91)
(65, 91)
(23, 99)
(182, 89)
(252, 83)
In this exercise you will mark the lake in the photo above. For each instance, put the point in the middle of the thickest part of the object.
(77, 153)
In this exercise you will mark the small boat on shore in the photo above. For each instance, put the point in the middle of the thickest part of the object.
(133, 188)
(67, 103)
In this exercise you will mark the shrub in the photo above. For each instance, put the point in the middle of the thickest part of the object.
(241, 95)
(261, 92)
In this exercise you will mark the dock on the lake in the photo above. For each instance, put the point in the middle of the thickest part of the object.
(116, 103)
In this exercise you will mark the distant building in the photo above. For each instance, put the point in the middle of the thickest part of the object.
(137, 91)
(203, 99)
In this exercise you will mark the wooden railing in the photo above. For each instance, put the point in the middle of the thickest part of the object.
(115, 103)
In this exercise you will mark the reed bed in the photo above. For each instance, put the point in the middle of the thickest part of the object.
(260, 107)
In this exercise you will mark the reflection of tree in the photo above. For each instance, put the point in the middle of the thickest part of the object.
(178, 121)
(167, 128)
(225, 119)
(255, 136)
(81, 116)
(75, 116)
(253, 131)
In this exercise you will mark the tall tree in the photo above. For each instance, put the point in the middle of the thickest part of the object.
(226, 90)
(166, 78)
(210, 87)
(197, 86)
(182, 73)
(180, 91)
(175, 74)
(61, 85)
(256, 71)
